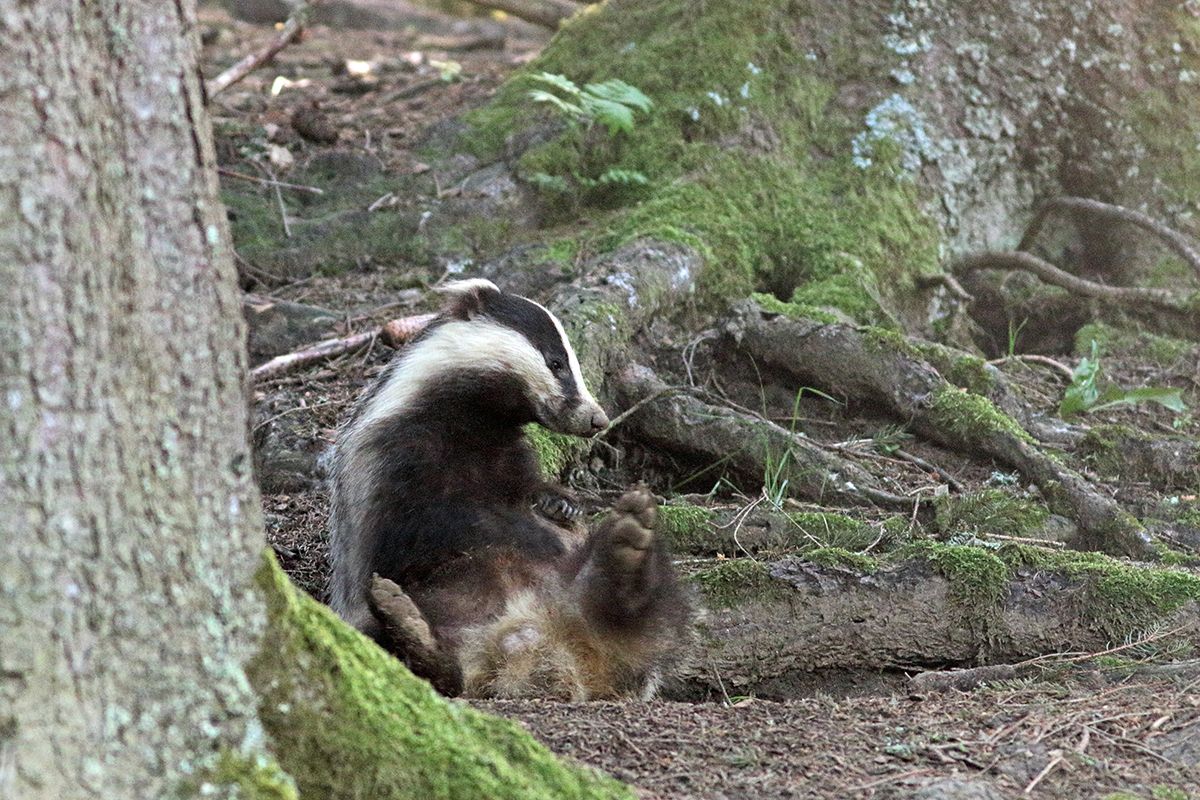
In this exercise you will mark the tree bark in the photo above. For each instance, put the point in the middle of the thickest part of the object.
(128, 519)
(144, 649)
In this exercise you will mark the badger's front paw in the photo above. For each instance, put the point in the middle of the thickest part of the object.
(557, 505)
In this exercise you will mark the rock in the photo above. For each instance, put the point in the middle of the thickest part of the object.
(957, 790)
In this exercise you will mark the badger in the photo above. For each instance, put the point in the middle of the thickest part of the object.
(437, 548)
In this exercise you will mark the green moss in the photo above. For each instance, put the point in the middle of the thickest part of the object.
(236, 775)
(794, 310)
(975, 575)
(971, 418)
(686, 528)
(750, 162)
(837, 557)
(1115, 341)
(1126, 598)
(961, 369)
(736, 580)
(557, 452)
(1101, 447)
(1161, 792)
(1118, 597)
(832, 530)
(348, 720)
(988, 511)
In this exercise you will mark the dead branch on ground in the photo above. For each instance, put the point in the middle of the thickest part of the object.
(393, 334)
(289, 32)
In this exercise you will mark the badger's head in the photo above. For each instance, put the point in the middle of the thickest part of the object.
(501, 346)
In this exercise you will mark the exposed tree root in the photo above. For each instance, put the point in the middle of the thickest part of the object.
(1127, 295)
(1172, 238)
(877, 368)
(744, 444)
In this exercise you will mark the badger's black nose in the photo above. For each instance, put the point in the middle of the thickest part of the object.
(599, 421)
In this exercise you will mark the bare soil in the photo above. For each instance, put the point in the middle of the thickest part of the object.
(1068, 735)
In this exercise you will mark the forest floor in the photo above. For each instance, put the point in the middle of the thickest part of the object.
(1079, 735)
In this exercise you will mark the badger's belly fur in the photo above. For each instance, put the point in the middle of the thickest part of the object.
(436, 550)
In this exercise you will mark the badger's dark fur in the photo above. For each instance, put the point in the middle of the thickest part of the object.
(434, 487)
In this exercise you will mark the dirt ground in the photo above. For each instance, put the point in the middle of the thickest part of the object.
(1081, 735)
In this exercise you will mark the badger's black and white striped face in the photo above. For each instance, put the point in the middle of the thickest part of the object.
(484, 334)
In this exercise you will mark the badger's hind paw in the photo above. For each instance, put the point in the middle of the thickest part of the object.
(632, 523)
(412, 640)
(399, 614)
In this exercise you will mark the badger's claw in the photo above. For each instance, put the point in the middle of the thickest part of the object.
(557, 505)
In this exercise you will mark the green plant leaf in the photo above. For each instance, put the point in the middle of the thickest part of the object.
(618, 91)
(1171, 398)
(557, 82)
(612, 115)
(570, 109)
(1084, 394)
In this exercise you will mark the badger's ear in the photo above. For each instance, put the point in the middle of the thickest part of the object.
(468, 299)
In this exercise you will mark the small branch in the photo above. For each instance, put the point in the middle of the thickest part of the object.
(241, 176)
(1014, 260)
(1172, 238)
(954, 483)
(1034, 358)
(393, 334)
(289, 32)
(633, 409)
(547, 13)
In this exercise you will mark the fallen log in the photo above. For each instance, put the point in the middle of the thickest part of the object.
(768, 625)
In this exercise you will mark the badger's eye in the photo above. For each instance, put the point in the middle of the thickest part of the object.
(555, 364)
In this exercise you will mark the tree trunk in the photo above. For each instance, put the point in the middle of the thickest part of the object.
(129, 519)
(144, 650)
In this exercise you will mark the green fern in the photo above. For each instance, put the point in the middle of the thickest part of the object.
(610, 104)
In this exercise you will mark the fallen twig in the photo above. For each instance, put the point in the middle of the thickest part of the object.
(241, 176)
(288, 32)
(1034, 358)
(393, 334)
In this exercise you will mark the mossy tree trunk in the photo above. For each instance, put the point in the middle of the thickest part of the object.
(129, 522)
(136, 649)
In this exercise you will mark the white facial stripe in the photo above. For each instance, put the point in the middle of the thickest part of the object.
(467, 285)
(481, 343)
(584, 394)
